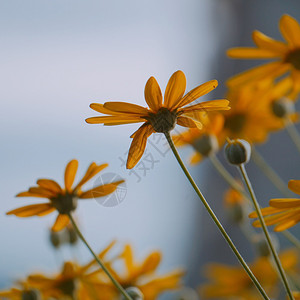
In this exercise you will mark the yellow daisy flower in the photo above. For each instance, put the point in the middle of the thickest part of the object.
(143, 276)
(283, 213)
(286, 55)
(205, 141)
(160, 116)
(74, 279)
(64, 200)
(227, 282)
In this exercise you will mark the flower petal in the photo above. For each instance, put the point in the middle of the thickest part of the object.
(127, 108)
(100, 108)
(153, 94)
(32, 210)
(265, 212)
(251, 53)
(41, 191)
(70, 173)
(294, 185)
(101, 191)
(267, 43)
(290, 30)
(175, 89)
(285, 203)
(61, 222)
(213, 105)
(195, 158)
(197, 92)
(138, 145)
(113, 120)
(28, 194)
(50, 185)
(150, 263)
(286, 224)
(187, 122)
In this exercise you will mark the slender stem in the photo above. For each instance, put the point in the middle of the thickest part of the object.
(265, 230)
(293, 133)
(215, 219)
(113, 280)
(270, 173)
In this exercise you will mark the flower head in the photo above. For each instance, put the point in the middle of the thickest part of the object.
(286, 56)
(160, 116)
(64, 200)
(283, 213)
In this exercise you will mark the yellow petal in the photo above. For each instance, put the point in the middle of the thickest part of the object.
(151, 263)
(251, 53)
(92, 170)
(285, 203)
(267, 43)
(114, 120)
(68, 270)
(61, 222)
(138, 145)
(153, 94)
(196, 158)
(186, 122)
(127, 108)
(265, 212)
(127, 255)
(32, 210)
(28, 194)
(41, 191)
(50, 185)
(213, 105)
(70, 173)
(294, 185)
(101, 191)
(197, 92)
(290, 30)
(286, 224)
(101, 109)
(175, 89)
(271, 220)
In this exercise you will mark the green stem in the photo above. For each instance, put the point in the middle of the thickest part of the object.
(101, 264)
(270, 173)
(293, 133)
(215, 219)
(265, 230)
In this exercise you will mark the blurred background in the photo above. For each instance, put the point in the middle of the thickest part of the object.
(59, 56)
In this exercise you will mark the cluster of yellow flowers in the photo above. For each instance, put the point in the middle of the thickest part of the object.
(262, 101)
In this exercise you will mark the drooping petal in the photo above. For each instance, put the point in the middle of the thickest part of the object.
(153, 94)
(61, 222)
(187, 122)
(213, 105)
(290, 30)
(252, 53)
(101, 109)
(127, 108)
(114, 120)
(138, 145)
(28, 194)
(101, 191)
(196, 93)
(70, 173)
(267, 43)
(175, 89)
(32, 210)
(285, 203)
(294, 185)
(92, 170)
(50, 185)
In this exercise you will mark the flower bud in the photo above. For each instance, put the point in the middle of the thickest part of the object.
(55, 239)
(206, 145)
(281, 108)
(238, 152)
(134, 293)
(72, 235)
(30, 295)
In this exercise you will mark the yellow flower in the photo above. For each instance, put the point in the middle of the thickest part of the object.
(205, 141)
(283, 213)
(228, 282)
(81, 281)
(143, 276)
(251, 117)
(160, 116)
(64, 200)
(286, 55)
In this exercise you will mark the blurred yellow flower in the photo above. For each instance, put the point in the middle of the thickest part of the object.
(162, 116)
(64, 200)
(283, 213)
(205, 141)
(73, 282)
(143, 276)
(227, 282)
(286, 55)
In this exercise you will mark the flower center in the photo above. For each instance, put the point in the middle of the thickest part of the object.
(68, 287)
(65, 203)
(235, 123)
(294, 58)
(30, 295)
(164, 120)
